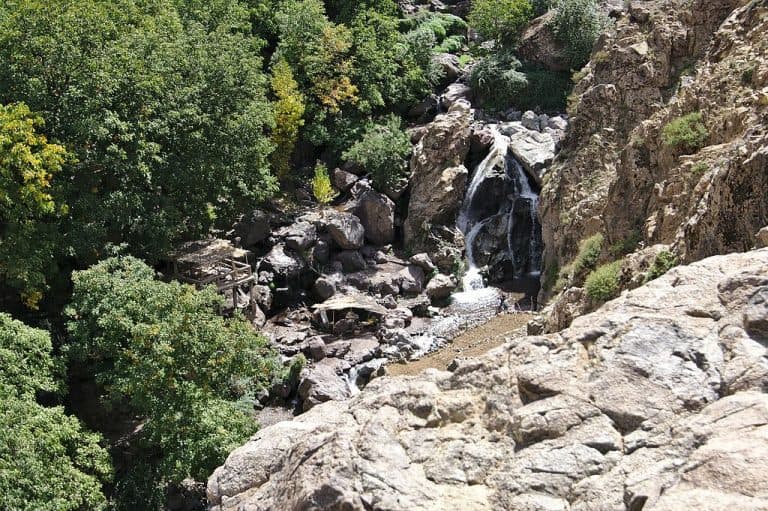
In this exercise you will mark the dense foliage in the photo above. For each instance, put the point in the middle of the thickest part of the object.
(164, 109)
(577, 24)
(47, 461)
(500, 20)
(162, 350)
(382, 152)
(28, 164)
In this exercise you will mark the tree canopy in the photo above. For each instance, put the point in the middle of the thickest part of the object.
(164, 351)
(47, 461)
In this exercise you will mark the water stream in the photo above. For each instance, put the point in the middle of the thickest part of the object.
(500, 224)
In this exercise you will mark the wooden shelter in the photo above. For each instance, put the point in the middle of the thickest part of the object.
(216, 262)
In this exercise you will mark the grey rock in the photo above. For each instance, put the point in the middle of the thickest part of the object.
(441, 286)
(448, 65)
(422, 261)
(300, 236)
(351, 261)
(377, 215)
(456, 93)
(322, 383)
(316, 348)
(756, 316)
(530, 121)
(534, 150)
(762, 238)
(343, 180)
(283, 262)
(412, 280)
(346, 230)
(253, 228)
(325, 286)
(439, 178)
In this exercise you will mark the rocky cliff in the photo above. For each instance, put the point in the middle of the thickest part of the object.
(621, 175)
(655, 401)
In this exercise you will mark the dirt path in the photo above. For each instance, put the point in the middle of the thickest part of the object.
(471, 343)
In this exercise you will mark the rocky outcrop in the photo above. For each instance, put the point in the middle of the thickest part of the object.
(439, 177)
(619, 175)
(656, 402)
(538, 45)
(377, 214)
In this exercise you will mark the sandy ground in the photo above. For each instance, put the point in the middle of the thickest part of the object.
(471, 343)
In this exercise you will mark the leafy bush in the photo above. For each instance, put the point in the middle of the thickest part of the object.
(28, 164)
(687, 133)
(47, 461)
(577, 25)
(382, 152)
(162, 350)
(663, 262)
(546, 90)
(700, 168)
(451, 44)
(589, 253)
(603, 283)
(498, 81)
(321, 185)
(500, 20)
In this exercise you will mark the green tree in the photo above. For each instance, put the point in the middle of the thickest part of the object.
(577, 24)
(162, 349)
(382, 151)
(321, 185)
(165, 109)
(28, 164)
(500, 20)
(289, 112)
(47, 461)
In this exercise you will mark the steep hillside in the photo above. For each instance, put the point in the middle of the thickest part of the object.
(668, 144)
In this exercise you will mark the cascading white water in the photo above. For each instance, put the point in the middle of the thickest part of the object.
(494, 195)
(473, 280)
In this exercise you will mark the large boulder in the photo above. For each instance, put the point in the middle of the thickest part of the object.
(253, 228)
(346, 230)
(439, 177)
(656, 401)
(538, 45)
(377, 215)
(323, 382)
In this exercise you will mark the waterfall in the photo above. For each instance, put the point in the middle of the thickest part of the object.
(499, 219)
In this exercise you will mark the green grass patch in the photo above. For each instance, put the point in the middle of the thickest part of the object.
(589, 253)
(687, 133)
(603, 283)
(664, 262)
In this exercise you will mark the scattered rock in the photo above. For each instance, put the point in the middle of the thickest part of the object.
(253, 228)
(343, 180)
(441, 286)
(346, 230)
(351, 261)
(322, 383)
(300, 236)
(422, 261)
(456, 93)
(412, 280)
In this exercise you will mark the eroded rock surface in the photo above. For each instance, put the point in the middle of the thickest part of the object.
(656, 402)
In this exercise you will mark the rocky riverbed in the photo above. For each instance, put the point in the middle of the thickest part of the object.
(655, 401)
